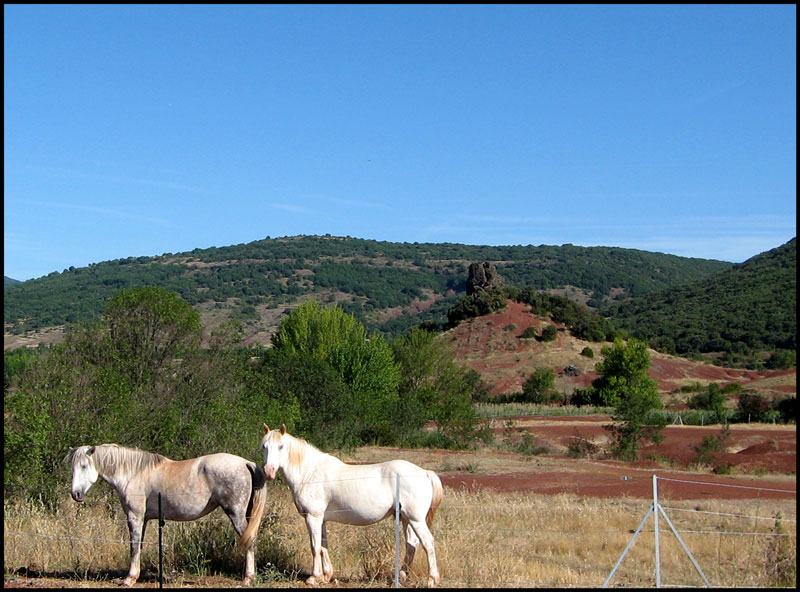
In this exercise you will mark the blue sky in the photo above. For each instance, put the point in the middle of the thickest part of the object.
(143, 130)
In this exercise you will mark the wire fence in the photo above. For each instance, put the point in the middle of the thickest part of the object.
(516, 535)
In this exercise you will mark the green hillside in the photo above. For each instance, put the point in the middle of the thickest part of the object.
(750, 306)
(376, 281)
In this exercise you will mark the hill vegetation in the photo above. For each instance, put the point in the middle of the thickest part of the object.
(734, 314)
(378, 282)
(749, 307)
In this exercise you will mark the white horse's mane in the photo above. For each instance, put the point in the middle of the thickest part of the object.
(299, 448)
(113, 459)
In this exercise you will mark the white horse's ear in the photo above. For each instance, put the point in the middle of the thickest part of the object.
(283, 429)
(265, 427)
(91, 450)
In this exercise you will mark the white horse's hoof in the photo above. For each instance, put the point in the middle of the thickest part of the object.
(128, 582)
(311, 581)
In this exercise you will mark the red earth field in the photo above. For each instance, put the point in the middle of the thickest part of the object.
(761, 456)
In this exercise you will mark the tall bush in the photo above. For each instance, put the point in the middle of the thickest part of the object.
(624, 384)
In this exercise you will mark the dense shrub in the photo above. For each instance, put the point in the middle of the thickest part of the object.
(751, 408)
(549, 333)
(787, 408)
(540, 387)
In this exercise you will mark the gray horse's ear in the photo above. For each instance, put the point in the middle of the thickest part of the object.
(283, 429)
(265, 427)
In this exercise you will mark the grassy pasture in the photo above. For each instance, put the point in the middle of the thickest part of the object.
(483, 539)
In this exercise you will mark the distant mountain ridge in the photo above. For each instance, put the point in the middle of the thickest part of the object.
(7, 281)
(374, 280)
(388, 286)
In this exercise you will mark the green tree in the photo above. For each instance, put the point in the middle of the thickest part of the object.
(712, 400)
(433, 387)
(148, 327)
(751, 408)
(364, 363)
(540, 387)
(624, 384)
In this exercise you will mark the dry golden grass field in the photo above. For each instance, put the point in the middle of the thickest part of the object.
(485, 536)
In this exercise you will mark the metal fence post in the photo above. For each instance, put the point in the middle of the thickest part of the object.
(160, 549)
(655, 530)
(397, 533)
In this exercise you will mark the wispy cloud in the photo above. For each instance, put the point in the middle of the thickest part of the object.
(712, 94)
(361, 204)
(120, 179)
(292, 208)
(116, 213)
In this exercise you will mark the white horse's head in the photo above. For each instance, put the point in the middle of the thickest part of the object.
(276, 453)
(84, 471)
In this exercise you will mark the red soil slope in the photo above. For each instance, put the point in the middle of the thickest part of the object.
(492, 345)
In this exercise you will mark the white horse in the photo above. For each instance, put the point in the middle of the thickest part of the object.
(325, 489)
(189, 490)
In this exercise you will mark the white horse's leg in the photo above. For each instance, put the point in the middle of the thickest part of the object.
(314, 525)
(327, 566)
(136, 526)
(411, 548)
(425, 536)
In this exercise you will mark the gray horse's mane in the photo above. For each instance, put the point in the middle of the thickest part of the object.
(113, 459)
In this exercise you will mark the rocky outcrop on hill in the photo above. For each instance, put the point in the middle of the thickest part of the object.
(482, 276)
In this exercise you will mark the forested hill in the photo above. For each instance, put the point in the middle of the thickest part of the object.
(376, 281)
(751, 306)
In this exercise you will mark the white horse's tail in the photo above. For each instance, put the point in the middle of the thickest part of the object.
(259, 498)
(438, 493)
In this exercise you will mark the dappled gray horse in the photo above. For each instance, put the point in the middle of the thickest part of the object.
(189, 490)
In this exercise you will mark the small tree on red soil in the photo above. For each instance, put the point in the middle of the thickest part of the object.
(624, 383)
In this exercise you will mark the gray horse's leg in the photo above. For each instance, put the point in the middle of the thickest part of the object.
(136, 527)
(239, 521)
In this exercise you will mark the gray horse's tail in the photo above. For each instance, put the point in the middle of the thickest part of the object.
(258, 498)
(438, 493)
